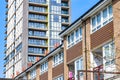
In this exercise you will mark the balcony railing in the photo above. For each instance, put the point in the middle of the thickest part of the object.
(37, 18)
(37, 9)
(65, 20)
(38, 1)
(64, 4)
(64, 12)
(35, 52)
(35, 43)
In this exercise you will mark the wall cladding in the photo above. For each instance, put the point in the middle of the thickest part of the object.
(58, 70)
(74, 51)
(44, 76)
(102, 35)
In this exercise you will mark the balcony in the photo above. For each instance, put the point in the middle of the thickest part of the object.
(38, 20)
(65, 21)
(37, 9)
(36, 51)
(64, 4)
(38, 12)
(42, 28)
(64, 12)
(38, 37)
(38, 45)
(35, 54)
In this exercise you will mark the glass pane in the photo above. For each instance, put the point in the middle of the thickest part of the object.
(107, 51)
(93, 22)
(99, 18)
(80, 31)
(68, 39)
(105, 13)
(77, 65)
(72, 37)
(110, 10)
(112, 50)
(77, 34)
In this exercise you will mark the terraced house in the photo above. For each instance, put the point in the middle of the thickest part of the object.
(32, 28)
(90, 48)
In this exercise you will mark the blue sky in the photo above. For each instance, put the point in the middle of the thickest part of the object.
(78, 8)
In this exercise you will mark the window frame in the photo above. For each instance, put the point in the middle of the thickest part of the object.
(44, 67)
(58, 58)
(111, 61)
(33, 73)
(80, 66)
(75, 39)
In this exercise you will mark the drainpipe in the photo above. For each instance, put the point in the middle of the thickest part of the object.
(86, 74)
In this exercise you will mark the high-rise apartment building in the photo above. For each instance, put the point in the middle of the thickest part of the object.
(32, 28)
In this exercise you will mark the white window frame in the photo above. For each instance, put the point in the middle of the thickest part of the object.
(76, 39)
(45, 67)
(59, 60)
(80, 60)
(59, 78)
(33, 73)
(107, 20)
(110, 54)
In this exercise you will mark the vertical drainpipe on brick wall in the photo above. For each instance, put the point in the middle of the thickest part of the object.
(85, 50)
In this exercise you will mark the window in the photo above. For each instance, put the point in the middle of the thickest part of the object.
(58, 58)
(59, 78)
(109, 54)
(31, 58)
(33, 74)
(105, 14)
(44, 67)
(55, 22)
(74, 37)
(18, 48)
(54, 34)
(55, 6)
(98, 20)
(78, 66)
(102, 18)
(54, 41)
(12, 54)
